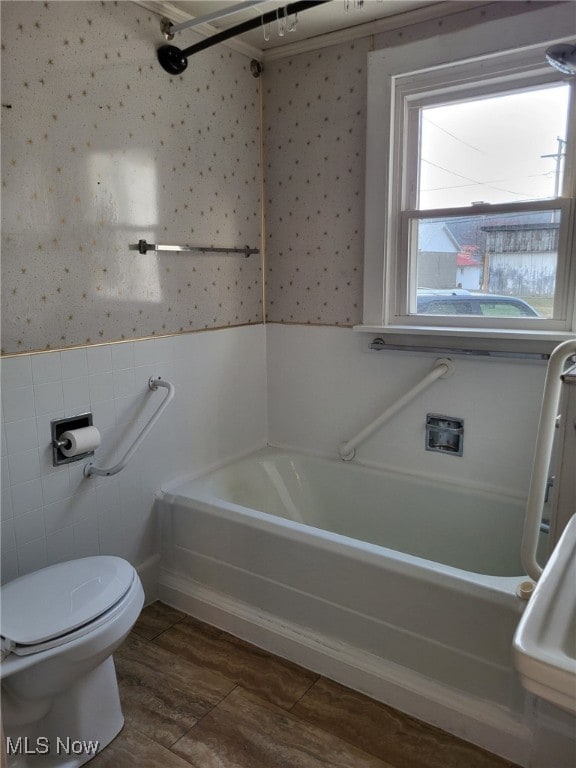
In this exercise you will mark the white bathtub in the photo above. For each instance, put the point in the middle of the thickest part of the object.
(397, 586)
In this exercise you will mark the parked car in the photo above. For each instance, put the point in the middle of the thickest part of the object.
(458, 301)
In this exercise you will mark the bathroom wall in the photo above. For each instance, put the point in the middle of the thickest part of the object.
(324, 384)
(314, 158)
(50, 514)
(102, 148)
(314, 136)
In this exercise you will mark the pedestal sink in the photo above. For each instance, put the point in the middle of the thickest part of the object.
(545, 640)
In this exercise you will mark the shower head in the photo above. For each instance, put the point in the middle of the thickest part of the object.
(562, 57)
(172, 60)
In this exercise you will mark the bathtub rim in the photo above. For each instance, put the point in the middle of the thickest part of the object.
(403, 563)
(273, 449)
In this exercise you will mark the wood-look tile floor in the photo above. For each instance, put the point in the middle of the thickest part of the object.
(196, 696)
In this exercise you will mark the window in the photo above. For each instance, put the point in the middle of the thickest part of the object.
(477, 198)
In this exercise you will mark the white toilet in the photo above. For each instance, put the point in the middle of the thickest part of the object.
(59, 628)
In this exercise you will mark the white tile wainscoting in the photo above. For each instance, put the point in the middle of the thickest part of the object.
(50, 514)
(318, 385)
(325, 384)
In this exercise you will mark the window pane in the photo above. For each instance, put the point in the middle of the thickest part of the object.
(495, 265)
(503, 149)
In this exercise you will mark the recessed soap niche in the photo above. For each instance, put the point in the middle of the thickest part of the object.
(444, 434)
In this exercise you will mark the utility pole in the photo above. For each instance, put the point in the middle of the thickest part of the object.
(558, 156)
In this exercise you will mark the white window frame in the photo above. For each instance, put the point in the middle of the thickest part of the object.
(393, 96)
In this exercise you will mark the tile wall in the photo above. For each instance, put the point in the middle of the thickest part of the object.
(50, 514)
(325, 385)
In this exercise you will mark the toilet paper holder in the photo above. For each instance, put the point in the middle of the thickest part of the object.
(57, 429)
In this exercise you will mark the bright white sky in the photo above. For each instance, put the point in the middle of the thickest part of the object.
(490, 149)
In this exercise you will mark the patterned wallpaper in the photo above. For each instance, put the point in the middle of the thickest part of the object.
(314, 141)
(101, 148)
(314, 144)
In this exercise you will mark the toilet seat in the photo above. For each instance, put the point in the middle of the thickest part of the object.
(63, 602)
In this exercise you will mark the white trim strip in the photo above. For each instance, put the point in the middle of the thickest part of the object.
(205, 30)
(221, 14)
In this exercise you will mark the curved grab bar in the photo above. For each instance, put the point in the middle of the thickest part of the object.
(153, 384)
(443, 368)
(542, 456)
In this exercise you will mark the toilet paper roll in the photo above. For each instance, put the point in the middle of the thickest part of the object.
(80, 441)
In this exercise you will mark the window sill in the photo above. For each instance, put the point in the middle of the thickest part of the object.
(507, 341)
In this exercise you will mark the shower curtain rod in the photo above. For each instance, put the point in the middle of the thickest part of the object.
(174, 60)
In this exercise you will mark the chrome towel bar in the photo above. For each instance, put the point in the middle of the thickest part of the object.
(143, 247)
(378, 344)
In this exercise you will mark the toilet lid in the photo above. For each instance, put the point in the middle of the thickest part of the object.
(56, 600)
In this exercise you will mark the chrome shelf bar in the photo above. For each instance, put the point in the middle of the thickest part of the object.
(379, 344)
(143, 247)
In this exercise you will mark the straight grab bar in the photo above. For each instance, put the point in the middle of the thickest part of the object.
(443, 369)
(153, 384)
(542, 456)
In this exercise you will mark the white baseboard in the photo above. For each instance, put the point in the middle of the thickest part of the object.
(480, 722)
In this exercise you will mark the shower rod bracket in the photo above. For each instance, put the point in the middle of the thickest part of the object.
(172, 59)
(166, 28)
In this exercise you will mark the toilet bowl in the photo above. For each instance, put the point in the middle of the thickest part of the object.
(59, 628)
